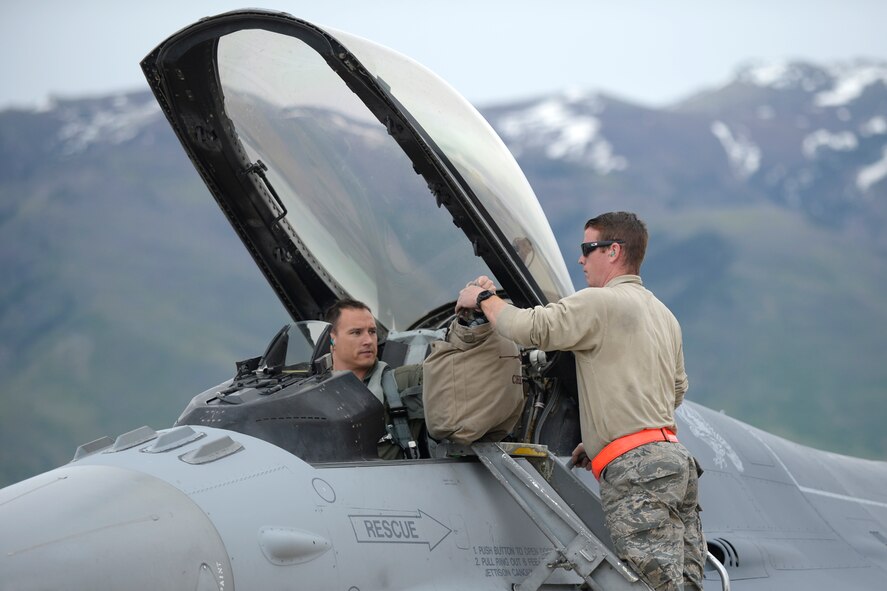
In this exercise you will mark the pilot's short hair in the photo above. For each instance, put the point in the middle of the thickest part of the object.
(335, 311)
(625, 226)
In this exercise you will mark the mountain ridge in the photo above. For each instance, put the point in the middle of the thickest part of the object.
(127, 292)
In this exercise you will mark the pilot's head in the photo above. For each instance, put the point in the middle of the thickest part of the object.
(353, 340)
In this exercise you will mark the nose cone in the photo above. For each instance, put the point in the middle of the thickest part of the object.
(103, 527)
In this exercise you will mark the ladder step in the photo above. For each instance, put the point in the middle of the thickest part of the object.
(559, 504)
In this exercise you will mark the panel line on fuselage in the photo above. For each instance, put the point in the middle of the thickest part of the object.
(807, 489)
(840, 497)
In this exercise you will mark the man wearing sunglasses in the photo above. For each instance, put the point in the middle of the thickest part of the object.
(630, 370)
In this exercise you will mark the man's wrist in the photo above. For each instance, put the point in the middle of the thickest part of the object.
(481, 297)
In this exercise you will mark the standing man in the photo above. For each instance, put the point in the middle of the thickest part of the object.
(630, 369)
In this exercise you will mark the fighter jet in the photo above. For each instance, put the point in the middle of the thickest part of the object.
(349, 170)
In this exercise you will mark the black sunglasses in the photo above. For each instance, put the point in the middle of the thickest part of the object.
(588, 247)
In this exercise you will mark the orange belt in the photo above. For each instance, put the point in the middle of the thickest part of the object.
(617, 447)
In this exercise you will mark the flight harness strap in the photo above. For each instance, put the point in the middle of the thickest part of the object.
(399, 429)
(619, 446)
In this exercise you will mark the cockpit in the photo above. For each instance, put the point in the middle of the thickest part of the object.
(290, 397)
(348, 171)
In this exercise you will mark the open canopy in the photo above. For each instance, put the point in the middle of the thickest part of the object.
(350, 170)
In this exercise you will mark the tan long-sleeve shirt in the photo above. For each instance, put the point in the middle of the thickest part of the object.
(628, 350)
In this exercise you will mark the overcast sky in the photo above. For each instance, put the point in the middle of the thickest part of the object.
(650, 51)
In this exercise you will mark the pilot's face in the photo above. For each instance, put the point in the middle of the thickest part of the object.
(594, 266)
(355, 343)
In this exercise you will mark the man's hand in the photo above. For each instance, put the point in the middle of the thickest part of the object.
(485, 282)
(579, 457)
(468, 296)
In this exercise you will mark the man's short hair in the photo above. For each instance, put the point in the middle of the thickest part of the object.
(335, 311)
(625, 226)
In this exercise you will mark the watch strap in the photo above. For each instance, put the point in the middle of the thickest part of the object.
(484, 295)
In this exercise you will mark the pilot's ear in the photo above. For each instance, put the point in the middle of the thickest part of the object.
(332, 342)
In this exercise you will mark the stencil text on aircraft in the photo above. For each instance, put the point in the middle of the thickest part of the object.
(402, 528)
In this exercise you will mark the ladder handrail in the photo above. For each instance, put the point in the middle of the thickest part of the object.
(565, 520)
(722, 571)
(576, 547)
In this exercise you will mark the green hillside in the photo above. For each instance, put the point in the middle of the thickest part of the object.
(125, 292)
(783, 329)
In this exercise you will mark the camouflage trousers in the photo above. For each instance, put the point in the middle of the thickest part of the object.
(650, 500)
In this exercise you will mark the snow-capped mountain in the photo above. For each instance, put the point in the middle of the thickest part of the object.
(807, 137)
(125, 291)
(564, 128)
(817, 115)
(112, 121)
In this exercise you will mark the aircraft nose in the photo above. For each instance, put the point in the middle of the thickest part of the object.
(102, 527)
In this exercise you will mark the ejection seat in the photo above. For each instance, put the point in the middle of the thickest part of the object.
(280, 399)
(321, 358)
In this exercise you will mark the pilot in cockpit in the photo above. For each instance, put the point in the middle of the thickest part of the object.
(354, 343)
(354, 347)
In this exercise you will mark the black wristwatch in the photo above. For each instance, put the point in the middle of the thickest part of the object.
(484, 295)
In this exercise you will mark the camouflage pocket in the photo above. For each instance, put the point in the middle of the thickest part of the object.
(635, 516)
(645, 539)
(646, 465)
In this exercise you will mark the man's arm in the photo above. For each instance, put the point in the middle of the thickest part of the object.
(491, 308)
(568, 325)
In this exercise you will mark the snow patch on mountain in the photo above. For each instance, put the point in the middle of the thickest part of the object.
(112, 122)
(743, 154)
(873, 173)
(562, 128)
(834, 86)
(770, 74)
(850, 82)
(842, 141)
(874, 126)
(783, 75)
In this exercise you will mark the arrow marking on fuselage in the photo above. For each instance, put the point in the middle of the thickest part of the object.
(405, 528)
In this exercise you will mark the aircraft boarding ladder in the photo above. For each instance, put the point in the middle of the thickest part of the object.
(566, 511)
